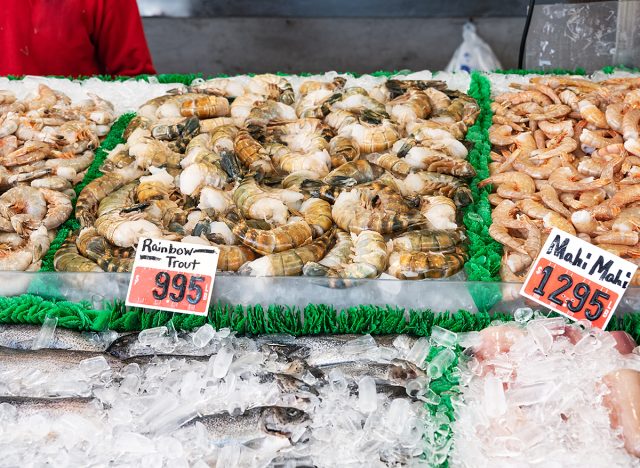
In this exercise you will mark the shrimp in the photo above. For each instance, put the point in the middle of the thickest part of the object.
(431, 183)
(598, 139)
(567, 179)
(156, 186)
(557, 146)
(549, 196)
(290, 262)
(232, 257)
(440, 212)
(630, 126)
(318, 162)
(592, 114)
(412, 105)
(210, 125)
(22, 207)
(506, 214)
(500, 135)
(391, 163)
(265, 112)
(419, 265)
(551, 129)
(317, 213)
(501, 234)
(522, 97)
(124, 229)
(613, 115)
(511, 185)
(46, 98)
(618, 238)
(272, 87)
(67, 258)
(9, 124)
(219, 87)
(374, 138)
(343, 150)
(339, 253)
(97, 189)
(19, 259)
(435, 161)
(199, 175)
(59, 208)
(265, 242)
(242, 106)
(251, 153)
(69, 168)
(255, 203)
(96, 248)
(8, 145)
(427, 240)
(30, 152)
(369, 259)
(150, 152)
(353, 173)
(552, 111)
(215, 199)
(538, 170)
(350, 214)
(584, 222)
(632, 146)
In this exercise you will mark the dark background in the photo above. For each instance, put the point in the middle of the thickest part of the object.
(240, 36)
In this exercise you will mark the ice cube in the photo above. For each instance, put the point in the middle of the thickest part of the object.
(203, 336)
(469, 339)
(94, 366)
(495, 403)
(222, 362)
(46, 333)
(419, 352)
(367, 396)
(337, 380)
(443, 337)
(398, 414)
(440, 363)
(151, 336)
(361, 345)
(132, 442)
(523, 314)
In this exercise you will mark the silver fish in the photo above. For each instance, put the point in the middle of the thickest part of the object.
(320, 350)
(51, 407)
(396, 372)
(255, 423)
(49, 360)
(24, 336)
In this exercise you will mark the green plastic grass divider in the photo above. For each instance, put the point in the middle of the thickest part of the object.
(485, 253)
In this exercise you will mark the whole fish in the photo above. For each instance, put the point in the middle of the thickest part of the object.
(255, 423)
(321, 350)
(24, 336)
(49, 361)
(396, 372)
(51, 407)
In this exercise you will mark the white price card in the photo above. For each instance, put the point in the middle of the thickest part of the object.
(578, 279)
(173, 276)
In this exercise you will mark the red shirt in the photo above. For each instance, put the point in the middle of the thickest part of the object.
(72, 37)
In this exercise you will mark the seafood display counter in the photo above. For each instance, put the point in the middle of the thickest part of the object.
(358, 318)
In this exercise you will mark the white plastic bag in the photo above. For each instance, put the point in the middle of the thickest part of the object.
(473, 53)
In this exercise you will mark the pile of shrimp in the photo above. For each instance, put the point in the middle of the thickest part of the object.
(566, 155)
(328, 180)
(46, 146)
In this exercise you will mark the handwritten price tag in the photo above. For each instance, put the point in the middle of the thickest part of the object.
(578, 279)
(173, 276)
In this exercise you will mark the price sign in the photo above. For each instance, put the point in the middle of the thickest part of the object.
(578, 279)
(173, 276)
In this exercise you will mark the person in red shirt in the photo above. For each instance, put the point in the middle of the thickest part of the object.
(72, 38)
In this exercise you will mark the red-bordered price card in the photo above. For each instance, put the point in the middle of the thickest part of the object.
(578, 279)
(173, 276)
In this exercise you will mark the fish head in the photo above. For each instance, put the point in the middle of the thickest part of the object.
(288, 352)
(290, 384)
(284, 422)
(403, 371)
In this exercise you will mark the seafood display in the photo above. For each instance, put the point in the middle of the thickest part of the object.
(210, 398)
(46, 145)
(325, 180)
(566, 156)
(543, 391)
